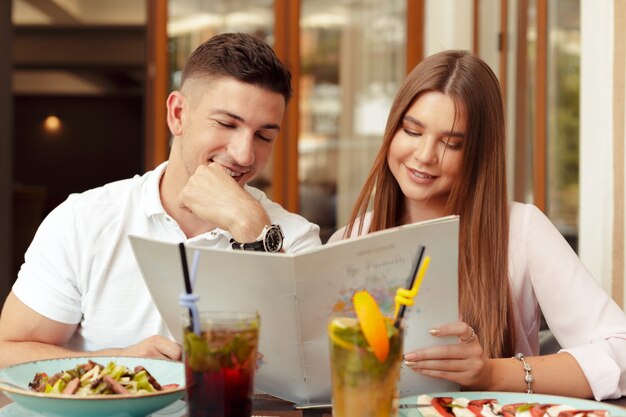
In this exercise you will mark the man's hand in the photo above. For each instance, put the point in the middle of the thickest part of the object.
(153, 347)
(212, 195)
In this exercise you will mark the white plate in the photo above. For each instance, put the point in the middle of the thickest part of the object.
(164, 371)
(515, 397)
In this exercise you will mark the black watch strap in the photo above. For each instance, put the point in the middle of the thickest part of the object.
(270, 240)
(254, 246)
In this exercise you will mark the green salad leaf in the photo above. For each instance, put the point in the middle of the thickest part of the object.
(94, 379)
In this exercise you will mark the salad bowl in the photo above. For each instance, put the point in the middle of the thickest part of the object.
(17, 377)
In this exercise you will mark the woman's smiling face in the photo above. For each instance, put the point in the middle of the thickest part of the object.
(426, 153)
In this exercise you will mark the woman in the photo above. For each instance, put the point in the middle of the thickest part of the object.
(444, 153)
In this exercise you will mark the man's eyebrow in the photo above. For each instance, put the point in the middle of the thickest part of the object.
(241, 119)
(413, 120)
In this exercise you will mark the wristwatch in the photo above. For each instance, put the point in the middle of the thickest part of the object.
(270, 240)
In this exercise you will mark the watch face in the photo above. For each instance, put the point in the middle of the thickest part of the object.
(273, 239)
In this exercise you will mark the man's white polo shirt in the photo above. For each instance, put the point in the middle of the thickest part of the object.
(80, 268)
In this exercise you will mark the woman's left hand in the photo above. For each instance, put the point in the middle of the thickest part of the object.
(464, 362)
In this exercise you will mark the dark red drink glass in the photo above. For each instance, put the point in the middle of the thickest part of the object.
(220, 364)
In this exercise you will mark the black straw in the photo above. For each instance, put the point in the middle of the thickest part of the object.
(183, 260)
(409, 282)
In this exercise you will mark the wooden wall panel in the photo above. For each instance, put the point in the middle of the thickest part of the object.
(415, 33)
(540, 110)
(6, 150)
(521, 77)
(156, 149)
(285, 182)
(504, 47)
(476, 28)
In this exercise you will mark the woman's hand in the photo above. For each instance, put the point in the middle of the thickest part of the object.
(464, 362)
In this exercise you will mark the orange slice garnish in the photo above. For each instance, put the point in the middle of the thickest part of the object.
(372, 324)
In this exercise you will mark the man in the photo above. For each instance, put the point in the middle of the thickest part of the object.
(80, 291)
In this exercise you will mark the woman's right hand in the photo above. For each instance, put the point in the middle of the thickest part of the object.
(464, 362)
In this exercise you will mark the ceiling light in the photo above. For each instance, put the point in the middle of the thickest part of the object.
(52, 124)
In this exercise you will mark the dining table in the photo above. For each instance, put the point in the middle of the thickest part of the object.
(268, 406)
(262, 406)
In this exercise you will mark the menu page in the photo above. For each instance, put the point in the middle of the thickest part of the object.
(295, 294)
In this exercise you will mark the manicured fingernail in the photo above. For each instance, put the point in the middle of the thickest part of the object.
(434, 332)
(410, 357)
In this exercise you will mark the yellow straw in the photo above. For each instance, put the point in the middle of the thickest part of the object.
(404, 296)
(420, 275)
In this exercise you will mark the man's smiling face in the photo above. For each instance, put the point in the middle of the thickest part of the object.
(231, 123)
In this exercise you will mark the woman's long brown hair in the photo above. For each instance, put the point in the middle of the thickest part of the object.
(479, 195)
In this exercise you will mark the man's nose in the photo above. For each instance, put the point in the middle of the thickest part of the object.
(241, 149)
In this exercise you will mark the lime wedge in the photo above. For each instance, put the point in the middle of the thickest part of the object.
(341, 323)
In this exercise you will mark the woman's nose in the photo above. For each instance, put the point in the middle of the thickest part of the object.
(426, 151)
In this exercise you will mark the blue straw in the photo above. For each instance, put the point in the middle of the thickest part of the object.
(189, 299)
(194, 267)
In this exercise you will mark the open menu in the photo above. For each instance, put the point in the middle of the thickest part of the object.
(295, 294)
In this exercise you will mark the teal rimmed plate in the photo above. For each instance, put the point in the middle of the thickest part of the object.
(515, 397)
(164, 371)
(177, 409)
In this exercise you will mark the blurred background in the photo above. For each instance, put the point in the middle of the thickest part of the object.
(87, 82)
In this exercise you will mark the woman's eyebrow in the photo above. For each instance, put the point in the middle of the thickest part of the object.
(451, 133)
(413, 120)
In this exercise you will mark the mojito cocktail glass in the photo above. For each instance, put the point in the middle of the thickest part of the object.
(362, 385)
(220, 364)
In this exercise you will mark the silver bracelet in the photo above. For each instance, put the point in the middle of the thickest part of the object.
(528, 377)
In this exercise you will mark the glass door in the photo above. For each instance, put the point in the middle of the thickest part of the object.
(352, 59)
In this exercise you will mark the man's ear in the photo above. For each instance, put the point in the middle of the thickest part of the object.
(175, 105)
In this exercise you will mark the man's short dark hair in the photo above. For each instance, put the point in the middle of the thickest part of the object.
(243, 57)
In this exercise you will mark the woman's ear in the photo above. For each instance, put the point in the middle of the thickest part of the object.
(175, 106)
